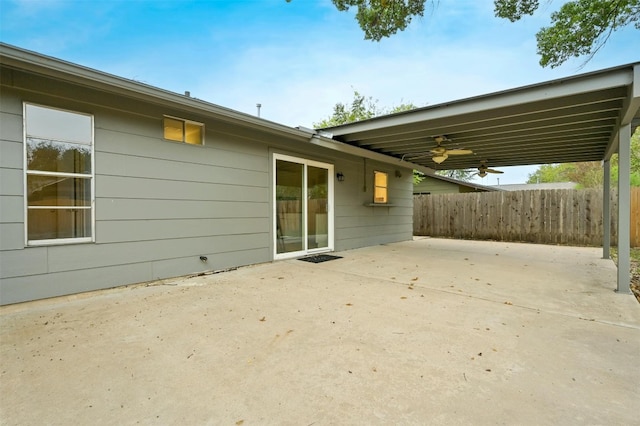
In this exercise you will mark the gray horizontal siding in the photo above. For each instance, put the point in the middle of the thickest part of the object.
(11, 124)
(13, 290)
(359, 225)
(132, 209)
(12, 210)
(11, 236)
(379, 230)
(147, 230)
(371, 240)
(160, 205)
(82, 256)
(11, 179)
(15, 263)
(215, 261)
(11, 154)
(11, 182)
(345, 222)
(232, 152)
(161, 189)
(73, 257)
(170, 169)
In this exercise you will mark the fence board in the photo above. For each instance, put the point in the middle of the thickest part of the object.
(567, 216)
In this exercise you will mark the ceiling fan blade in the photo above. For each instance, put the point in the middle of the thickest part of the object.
(439, 150)
(494, 171)
(459, 152)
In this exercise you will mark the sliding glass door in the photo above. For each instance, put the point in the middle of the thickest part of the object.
(303, 219)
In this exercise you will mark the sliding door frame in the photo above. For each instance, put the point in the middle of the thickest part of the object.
(306, 163)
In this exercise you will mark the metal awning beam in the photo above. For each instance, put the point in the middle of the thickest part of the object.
(549, 92)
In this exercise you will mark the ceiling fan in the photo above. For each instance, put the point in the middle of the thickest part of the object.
(440, 153)
(483, 169)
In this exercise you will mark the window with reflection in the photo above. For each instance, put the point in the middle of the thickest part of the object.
(58, 176)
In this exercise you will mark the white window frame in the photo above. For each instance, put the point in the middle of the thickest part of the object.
(27, 172)
(184, 132)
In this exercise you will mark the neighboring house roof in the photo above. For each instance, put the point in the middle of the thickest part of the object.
(472, 187)
(532, 186)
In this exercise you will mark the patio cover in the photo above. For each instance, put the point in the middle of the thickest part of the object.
(587, 117)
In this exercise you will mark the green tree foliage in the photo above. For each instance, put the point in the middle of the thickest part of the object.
(361, 108)
(382, 18)
(460, 174)
(580, 27)
(586, 175)
(589, 174)
(513, 10)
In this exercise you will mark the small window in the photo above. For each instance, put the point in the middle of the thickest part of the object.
(179, 130)
(58, 175)
(380, 189)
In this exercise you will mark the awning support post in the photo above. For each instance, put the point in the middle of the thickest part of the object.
(624, 209)
(606, 209)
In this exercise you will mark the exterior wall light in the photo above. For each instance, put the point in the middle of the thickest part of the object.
(340, 177)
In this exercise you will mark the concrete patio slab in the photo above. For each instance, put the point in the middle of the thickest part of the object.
(428, 331)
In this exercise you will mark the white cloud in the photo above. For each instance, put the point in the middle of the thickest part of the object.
(445, 56)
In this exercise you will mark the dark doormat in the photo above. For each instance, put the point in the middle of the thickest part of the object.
(319, 258)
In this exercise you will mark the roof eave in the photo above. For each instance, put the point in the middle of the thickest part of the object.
(15, 57)
(603, 79)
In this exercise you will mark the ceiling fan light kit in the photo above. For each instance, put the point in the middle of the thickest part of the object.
(439, 158)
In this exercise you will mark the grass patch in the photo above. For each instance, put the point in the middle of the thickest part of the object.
(634, 256)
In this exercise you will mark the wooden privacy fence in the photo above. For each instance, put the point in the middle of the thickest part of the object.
(563, 216)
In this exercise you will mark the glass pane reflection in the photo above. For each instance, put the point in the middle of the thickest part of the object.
(58, 191)
(53, 156)
(289, 206)
(317, 217)
(47, 224)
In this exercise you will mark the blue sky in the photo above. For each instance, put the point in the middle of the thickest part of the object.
(298, 59)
